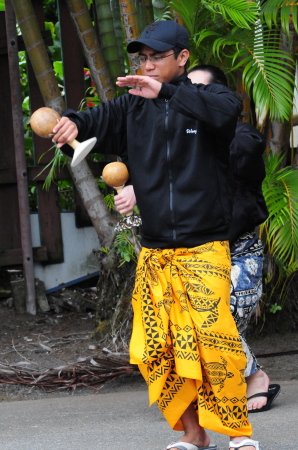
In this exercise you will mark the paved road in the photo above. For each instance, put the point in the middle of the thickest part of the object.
(122, 420)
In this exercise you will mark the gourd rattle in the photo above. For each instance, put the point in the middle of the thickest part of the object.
(42, 122)
(115, 175)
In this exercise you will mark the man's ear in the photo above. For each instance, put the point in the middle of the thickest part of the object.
(183, 57)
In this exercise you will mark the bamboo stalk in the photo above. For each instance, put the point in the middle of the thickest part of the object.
(140, 12)
(131, 29)
(148, 11)
(115, 9)
(38, 55)
(108, 38)
(92, 51)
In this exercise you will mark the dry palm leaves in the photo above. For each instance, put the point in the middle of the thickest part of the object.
(90, 372)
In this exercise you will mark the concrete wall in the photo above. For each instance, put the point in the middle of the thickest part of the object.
(79, 261)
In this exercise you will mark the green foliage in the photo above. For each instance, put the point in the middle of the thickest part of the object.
(280, 13)
(269, 81)
(187, 12)
(243, 36)
(109, 199)
(2, 5)
(280, 189)
(239, 12)
(123, 245)
(279, 232)
(50, 10)
(274, 308)
(55, 49)
(56, 164)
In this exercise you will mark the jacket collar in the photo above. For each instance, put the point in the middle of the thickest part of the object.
(181, 79)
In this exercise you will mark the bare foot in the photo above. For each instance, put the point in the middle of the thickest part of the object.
(257, 382)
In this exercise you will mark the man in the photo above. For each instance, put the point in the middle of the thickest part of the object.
(249, 211)
(178, 135)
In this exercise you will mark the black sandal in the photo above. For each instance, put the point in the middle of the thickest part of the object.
(273, 391)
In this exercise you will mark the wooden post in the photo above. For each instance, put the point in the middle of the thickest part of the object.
(21, 169)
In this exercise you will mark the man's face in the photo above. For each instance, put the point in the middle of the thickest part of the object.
(200, 76)
(165, 70)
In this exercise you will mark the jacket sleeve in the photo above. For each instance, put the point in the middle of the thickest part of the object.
(106, 122)
(246, 151)
(213, 104)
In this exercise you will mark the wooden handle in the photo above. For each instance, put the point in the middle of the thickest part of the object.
(74, 144)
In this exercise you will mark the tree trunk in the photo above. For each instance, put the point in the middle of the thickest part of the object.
(102, 219)
(38, 55)
(131, 29)
(148, 12)
(93, 54)
(108, 39)
(140, 11)
(118, 31)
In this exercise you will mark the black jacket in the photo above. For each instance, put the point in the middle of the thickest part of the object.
(249, 207)
(178, 158)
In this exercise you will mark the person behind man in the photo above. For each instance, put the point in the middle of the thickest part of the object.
(184, 338)
(249, 211)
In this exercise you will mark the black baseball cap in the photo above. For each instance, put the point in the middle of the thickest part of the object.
(161, 36)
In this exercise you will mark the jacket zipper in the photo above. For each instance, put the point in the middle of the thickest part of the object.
(170, 171)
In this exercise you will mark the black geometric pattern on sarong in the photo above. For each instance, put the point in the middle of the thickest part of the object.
(158, 368)
(187, 356)
(152, 330)
(205, 248)
(225, 343)
(171, 387)
(191, 285)
(167, 300)
(183, 298)
(207, 269)
(232, 412)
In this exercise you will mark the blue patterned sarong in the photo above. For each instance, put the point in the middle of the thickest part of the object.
(247, 255)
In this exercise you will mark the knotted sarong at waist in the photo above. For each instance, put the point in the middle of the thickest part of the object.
(185, 340)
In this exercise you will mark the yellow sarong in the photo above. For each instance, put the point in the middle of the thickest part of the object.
(184, 337)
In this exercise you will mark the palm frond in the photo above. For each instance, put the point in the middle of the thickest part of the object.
(268, 70)
(238, 12)
(280, 189)
(186, 12)
(280, 12)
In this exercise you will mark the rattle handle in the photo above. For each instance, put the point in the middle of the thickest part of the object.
(74, 144)
(119, 189)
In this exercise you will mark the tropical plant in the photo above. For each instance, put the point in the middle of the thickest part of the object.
(239, 36)
(280, 189)
(279, 233)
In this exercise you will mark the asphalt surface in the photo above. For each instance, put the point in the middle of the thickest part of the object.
(122, 420)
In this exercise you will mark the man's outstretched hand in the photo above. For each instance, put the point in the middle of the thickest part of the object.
(148, 87)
